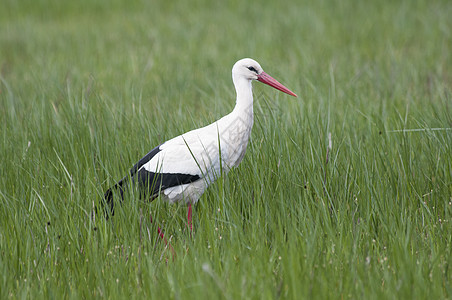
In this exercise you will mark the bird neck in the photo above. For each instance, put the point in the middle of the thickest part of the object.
(244, 90)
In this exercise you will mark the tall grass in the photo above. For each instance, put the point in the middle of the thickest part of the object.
(88, 87)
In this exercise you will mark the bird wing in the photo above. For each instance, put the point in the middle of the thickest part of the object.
(181, 160)
(145, 159)
(195, 152)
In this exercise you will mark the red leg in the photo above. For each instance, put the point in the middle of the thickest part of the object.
(164, 239)
(189, 215)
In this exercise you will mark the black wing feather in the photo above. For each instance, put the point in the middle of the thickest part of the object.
(144, 160)
(150, 183)
(154, 182)
(120, 185)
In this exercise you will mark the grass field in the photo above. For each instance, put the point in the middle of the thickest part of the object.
(88, 87)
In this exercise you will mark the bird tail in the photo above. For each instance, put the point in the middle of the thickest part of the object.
(108, 204)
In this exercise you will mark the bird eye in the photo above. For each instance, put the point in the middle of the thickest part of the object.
(252, 69)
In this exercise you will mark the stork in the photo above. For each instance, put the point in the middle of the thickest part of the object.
(183, 167)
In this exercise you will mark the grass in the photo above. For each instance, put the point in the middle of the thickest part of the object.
(88, 88)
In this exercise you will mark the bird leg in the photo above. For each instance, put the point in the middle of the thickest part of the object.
(168, 244)
(189, 217)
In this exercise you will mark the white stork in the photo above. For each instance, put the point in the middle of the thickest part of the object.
(182, 168)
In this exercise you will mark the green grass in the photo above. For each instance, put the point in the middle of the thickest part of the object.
(88, 88)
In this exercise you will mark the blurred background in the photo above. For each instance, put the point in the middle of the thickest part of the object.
(89, 87)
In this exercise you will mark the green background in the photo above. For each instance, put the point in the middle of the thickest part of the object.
(88, 87)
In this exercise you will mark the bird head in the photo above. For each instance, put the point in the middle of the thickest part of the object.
(252, 70)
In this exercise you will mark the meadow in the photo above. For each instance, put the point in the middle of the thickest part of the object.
(344, 193)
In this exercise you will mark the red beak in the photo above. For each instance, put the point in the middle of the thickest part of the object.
(267, 79)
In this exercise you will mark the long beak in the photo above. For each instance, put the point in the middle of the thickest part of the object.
(267, 79)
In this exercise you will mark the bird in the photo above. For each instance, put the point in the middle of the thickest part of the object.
(181, 169)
